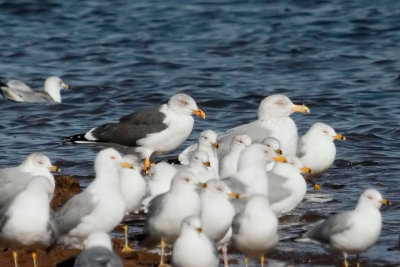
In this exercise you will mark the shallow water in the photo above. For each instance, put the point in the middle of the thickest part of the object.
(340, 58)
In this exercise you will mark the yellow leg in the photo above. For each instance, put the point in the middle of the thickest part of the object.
(146, 166)
(358, 260)
(34, 258)
(126, 248)
(262, 260)
(15, 257)
(246, 261)
(162, 245)
(345, 263)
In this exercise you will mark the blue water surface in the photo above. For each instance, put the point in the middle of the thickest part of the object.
(340, 58)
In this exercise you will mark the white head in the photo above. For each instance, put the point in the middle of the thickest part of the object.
(208, 138)
(191, 223)
(98, 239)
(240, 141)
(162, 170)
(278, 106)
(321, 130)
(273, 143)
(200, 158)
(109, 159)
(372, 198)
(258, 155)
(218, 187)
(37, 161)
(53, 85)
(184, 178)
(184, 104)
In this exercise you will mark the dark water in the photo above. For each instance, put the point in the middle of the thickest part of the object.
(341, 58)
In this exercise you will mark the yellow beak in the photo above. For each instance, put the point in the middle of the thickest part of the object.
(66, 86)
(301, 109)
(54, 168)
(306, 170)
(279, 158)
(339, 137)
(207, 164)
(215, 145)
(386, 202)
(127, 165)
(199, 113)
(235, 195)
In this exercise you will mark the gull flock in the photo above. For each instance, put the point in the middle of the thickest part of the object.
(229, 189)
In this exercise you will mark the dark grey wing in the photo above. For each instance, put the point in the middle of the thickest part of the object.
(70, 215)
(132, 127)
(97, 257)
(334, 224)
(276, 192)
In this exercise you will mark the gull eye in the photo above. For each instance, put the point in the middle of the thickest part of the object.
(184, 103)
(370, 197)
(325, 131)
(220, 189)
(279, 103)
(196, 158)
(112, 157)
(187, 180)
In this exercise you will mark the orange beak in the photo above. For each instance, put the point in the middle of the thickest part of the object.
(301, 109)
(279, 158)
(199, 113)
(339, 137)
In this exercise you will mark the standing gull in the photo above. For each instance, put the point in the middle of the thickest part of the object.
(159, 181)
(98, 252)
(273, 120)
(316, 148)
(217, 212)
(251, 177)
(193, 248)
(14, 179)
(351, 232)
(274, 144)
(255, 230)
(229, 162)
(17, 90)
(286, 185)
(208, 143)
(100, 207)
(133, 188)
(27, 221)
(151, 131)
(168, 210)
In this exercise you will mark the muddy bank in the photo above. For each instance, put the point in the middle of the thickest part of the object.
(286, 253)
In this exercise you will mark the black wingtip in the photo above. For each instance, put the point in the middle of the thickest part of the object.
(74, 139)
(3, 84)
